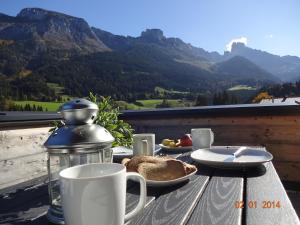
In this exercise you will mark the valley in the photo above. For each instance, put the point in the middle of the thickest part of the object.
(46, 57)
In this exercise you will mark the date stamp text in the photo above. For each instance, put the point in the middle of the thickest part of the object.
(255, 204)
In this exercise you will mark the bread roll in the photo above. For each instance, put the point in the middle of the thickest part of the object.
(158, 168)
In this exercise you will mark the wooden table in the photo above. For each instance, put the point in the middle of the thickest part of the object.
(212, 196)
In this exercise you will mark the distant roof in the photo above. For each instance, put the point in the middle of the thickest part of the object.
(282, 101)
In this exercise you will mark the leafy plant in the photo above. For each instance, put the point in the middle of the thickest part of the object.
(108, 118)
(56, 125)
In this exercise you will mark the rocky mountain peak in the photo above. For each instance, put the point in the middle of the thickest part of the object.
(237, 46)
(36, 13)
(153, 35)
(52, 30)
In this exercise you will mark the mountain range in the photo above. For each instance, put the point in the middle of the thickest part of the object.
(286, 68)
(40, 47)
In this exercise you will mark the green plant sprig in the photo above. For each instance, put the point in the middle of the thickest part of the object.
(108, 117)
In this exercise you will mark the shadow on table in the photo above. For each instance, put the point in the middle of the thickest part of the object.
(256, 171)
(38, 221)
(158, 191)
(21, 206)
(25, 214)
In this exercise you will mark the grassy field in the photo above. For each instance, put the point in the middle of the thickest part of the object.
(152, 103)
(242, 87)
(162, 90)
(130, 106)
(50, 106)
(140, 104)
(244, 93)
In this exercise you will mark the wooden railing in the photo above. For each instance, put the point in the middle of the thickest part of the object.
(276, 127)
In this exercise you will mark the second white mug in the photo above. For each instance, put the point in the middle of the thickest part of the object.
(202, 138)
(143, 144)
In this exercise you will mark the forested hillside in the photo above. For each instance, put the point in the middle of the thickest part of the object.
(45, 55)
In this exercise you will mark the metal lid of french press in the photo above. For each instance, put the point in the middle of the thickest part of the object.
(79, 111)
(79, 133)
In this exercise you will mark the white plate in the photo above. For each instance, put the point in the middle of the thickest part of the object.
(123, 152)
(154, 183)
(220, 156)
(179, 148)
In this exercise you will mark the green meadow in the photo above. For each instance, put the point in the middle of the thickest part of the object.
(138, 105)
(47, 106)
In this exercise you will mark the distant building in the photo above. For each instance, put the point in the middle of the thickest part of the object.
(281, 101)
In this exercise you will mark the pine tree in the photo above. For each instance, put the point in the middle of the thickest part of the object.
(164, 104)
(201, 101)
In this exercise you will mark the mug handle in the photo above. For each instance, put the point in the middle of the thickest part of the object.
(143, 192)
(212, 139)
(145, 146)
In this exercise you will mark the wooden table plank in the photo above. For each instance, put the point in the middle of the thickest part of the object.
(267, 186)
(132, 198)
(217, 203)
(175, 203)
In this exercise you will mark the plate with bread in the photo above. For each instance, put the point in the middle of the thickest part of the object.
(182, 144)
(160, 171)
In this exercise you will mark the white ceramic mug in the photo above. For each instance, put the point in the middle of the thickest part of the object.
(95, 194)
(202, 138)
(143, 144)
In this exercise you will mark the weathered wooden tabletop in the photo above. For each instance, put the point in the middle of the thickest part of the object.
(212, 196)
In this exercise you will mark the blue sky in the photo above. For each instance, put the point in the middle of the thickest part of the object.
(270, 25)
